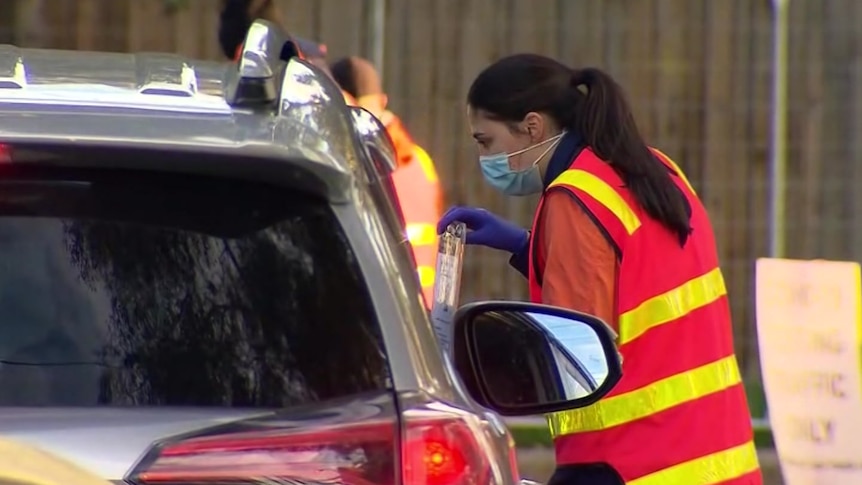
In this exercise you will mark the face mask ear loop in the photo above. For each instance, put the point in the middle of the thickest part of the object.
(549, 140)
(550, 147)
(553, 139)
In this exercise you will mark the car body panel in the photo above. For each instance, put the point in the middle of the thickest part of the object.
(108, 440)
(113, 441)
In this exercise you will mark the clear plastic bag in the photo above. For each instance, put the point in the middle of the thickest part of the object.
(447, 284)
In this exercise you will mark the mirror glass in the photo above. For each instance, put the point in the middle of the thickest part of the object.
(527, 359)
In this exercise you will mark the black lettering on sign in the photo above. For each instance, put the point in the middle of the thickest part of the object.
(814, 430)
(827, 342)
(800, 294)
(829, 384)
(806, 340)
(832, 384)
(805, 294)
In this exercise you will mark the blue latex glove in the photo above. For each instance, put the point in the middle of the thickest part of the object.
(486, 229)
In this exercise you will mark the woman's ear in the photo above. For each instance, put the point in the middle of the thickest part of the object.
(534, 124)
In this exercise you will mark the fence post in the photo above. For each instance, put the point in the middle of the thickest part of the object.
(778, 155)
(377, 34)
(778, 145)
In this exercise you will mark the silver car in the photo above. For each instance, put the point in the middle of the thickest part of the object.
(204, 280)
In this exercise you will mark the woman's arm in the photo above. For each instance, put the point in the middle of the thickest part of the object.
(581, 266)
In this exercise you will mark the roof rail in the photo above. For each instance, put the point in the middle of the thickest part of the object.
(257, 80)
(13, 75)
(166, 75)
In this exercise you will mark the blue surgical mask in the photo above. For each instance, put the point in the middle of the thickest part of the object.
(500, 175)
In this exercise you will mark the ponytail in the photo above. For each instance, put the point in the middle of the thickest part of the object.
(602, 116)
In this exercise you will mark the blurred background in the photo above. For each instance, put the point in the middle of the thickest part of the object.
(698, 73)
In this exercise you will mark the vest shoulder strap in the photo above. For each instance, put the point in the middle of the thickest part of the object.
(426, 163)
(593, 182)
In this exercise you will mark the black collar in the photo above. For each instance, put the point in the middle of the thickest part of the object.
(568, 148)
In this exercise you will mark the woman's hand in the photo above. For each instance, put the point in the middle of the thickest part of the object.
(486, 229)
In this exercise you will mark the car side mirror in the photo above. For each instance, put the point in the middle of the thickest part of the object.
(522, 359)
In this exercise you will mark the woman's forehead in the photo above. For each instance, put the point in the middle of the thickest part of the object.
(479, 121)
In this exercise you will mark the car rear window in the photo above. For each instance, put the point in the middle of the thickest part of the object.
(133, 288)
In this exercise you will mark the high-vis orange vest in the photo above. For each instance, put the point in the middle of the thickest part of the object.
(679, 415)
(419, 195)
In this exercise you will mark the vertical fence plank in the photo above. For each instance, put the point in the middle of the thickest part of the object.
(691, 112)
(60, 17)
(300, 18)
(805, 126)
(579, 34)
(854, 13)
(672, 74)
(757, 136)
(837, 135)
(343, 38)
(718, 71)
(733, 188)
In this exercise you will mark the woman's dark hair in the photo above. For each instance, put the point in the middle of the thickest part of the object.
(234, 22)
(590, 103)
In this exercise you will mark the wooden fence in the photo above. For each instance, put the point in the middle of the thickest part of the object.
(697, 71)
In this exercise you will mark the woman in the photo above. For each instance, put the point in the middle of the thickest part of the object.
(618, 233)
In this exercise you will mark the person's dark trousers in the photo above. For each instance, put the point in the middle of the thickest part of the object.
(591, 474)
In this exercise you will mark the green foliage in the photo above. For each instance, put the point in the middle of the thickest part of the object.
(756, 398)
(538, 436)
(173, 6)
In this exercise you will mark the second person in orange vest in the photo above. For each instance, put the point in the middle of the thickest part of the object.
(416, 184)
(621, 234)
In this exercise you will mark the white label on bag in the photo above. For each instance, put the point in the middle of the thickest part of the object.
(442, 310)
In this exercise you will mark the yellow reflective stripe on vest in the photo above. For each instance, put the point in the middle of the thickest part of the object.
(676, 169)
(706, 470)
(672, 305)
(653, 398)
(421, 234)
(425, 162)
(426, 275)
(603, 193)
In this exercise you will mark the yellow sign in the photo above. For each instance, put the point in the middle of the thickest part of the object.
(809, 315)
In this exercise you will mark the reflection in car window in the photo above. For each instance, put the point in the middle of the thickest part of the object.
(574, 382)
(513, 362)
(580, 339)
(166, 290)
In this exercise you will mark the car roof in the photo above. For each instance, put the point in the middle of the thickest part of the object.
(172, 102)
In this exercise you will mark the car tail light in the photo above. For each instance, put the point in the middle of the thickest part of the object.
(5, 153)
(443, 450)
(359, 453)
(434, 451)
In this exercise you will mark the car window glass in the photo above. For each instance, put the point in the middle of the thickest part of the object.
(141, 289)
